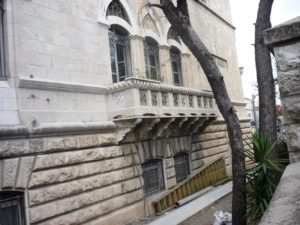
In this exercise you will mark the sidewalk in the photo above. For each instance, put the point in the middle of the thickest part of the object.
(182, 213)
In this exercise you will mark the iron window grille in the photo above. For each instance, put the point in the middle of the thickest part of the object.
(182, 166)
(119, 54)
(151, 51)
(115, 8)
(153, 176)
(176, 66)
(2, 61)
(12, 208)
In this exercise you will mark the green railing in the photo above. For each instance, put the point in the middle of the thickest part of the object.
(208, 175)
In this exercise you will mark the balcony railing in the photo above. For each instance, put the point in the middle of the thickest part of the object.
(139, 97)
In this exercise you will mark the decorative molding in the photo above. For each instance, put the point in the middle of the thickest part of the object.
(51, 85)
(55, 129)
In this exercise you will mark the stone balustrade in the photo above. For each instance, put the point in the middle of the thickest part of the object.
(139, 97)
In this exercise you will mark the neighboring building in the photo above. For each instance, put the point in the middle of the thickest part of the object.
(103, 108)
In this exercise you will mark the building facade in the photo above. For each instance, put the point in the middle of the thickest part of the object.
(103, 108)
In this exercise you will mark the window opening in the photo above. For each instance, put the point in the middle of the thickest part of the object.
(115, 8)
(176, 66)
(151, 51)
(182, 166)
(12, 208)
(153, 176)
(119, 53)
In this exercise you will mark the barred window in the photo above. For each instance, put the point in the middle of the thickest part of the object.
(2, 61)
(12, 208)
(151, 51)
(176, 66)
(153, 176)
(119, 53)
(115, 8)
(182, 166)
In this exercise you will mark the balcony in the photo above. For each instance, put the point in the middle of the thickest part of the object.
(150, 108)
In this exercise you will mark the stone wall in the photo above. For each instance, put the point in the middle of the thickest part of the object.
(285, 41)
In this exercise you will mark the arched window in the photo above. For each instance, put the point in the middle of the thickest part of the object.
(119, 53)
(173, 35)
(153, 176)
(115, 8)
(151, 51)
(2, 72)
(176, 66)
(182, 166)
(12, 208)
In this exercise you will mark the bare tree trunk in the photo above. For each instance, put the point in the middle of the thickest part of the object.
(265, 80)
(179, 19)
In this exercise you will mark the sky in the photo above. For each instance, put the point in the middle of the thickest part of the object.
(243, 16)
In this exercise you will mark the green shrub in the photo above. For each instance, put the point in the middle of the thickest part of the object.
(263, 178)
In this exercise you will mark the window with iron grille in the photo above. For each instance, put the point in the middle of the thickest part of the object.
(119, 53)
(153, 176)
(12, 208)
(2, 62)
(182, 166)
(176, 66)
(115, 8)
(151, 51)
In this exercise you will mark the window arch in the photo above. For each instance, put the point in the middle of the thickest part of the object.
(115, 8)
(119, 53)
(12, 209)
(151, 50)
(173, 35)
(182, 166)
(153, 176)
(175, 57)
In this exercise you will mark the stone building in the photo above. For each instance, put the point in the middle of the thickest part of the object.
(103, 108)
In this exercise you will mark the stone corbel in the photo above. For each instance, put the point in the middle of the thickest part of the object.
(175, 126)
(161, 127)
(125, 127)
(203, 125)
(145, 127)
(185, 130)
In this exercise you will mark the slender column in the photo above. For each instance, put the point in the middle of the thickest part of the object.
(165, 64)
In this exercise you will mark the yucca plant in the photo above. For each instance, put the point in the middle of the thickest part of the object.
(261, 179)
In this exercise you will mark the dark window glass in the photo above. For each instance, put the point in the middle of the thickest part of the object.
(176, 66)
(12, 208)
(182, 166)
(119, 53)
(153, 176)
(151, 50)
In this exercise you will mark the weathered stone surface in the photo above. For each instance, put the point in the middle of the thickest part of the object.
(171, 182)
(72, 172)
(293, 136)
(284, 206)
(45, 194)
(291, 106)
(212, 136)
(213, 143)
(82, 200)
(198, 163)
(14, 147)
(215, 128)
(170, 172)
(245, 125)
(121, 216)
(87, 141)
(91, 212)
(185, 143)
(10, 168)
(209, 152)
(289, 82)
(294, 156)
(169, 162)
(25, 168)
(174, 145)
(74, 157)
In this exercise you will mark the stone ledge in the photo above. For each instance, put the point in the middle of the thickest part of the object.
(284, 207)
(283, 32)
(55, 129)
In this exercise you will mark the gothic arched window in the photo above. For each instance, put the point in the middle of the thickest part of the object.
(151, 51)
(176, 66)
(119, 53)
(115, 8)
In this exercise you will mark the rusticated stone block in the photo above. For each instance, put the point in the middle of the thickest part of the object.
(171, 183)
(121, 216)
(82, 200)
(293, 136)
(72, 172)
(289, 82)
(50, 144)
(215, 128)
(25, 168)
(170, 172)
(169, 162)
(209, 152)
(10, 167)
(291, 106)
(41, 195)
(87, 141)
(69, 158)
(106, 139)
(14, 147)
(213, 143)
(245, 125)
(212, 136)
(185, 143)
(94, 211)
